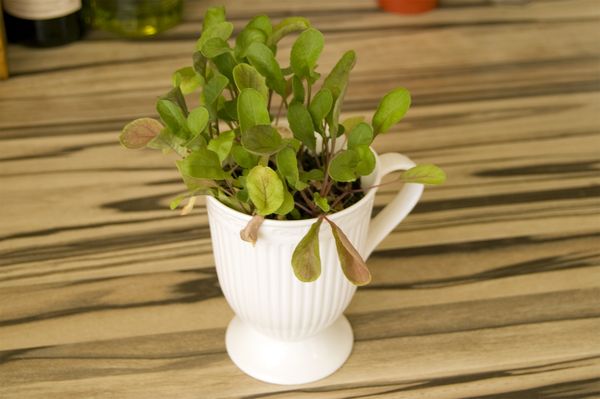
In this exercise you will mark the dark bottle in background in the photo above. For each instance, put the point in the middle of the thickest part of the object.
(43, 23)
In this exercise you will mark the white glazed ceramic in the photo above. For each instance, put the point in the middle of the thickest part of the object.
(286, 331)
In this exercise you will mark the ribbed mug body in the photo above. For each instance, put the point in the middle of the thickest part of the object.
(258, 281)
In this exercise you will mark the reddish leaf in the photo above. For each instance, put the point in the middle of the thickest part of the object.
(140, 132)
(353, 265)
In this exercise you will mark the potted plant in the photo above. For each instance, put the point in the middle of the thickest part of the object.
(290, 188)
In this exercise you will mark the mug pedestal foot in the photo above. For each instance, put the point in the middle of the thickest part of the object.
(282, 362)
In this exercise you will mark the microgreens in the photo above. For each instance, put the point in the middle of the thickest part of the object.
(235, 146)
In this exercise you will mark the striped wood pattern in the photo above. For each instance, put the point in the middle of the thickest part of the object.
(491, 288)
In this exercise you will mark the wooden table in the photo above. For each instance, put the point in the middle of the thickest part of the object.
(491, 288)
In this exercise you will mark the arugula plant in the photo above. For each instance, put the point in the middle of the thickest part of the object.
(235, 147)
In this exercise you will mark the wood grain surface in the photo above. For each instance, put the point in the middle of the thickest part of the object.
(490, 288)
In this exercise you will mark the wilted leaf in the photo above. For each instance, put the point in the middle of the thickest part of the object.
(424, 174)
(265, 189)
(252, 109)
(342, 166)
(392, 108)
(353, 265)
(189, 206)
(301, 124)
(250, 232)
(140, 132)
(305, 52)
(262, 140)
(306, 259)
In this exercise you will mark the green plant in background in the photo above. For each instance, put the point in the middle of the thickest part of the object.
(235, 147)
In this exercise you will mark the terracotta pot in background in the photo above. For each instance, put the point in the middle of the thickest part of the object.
(407, 6)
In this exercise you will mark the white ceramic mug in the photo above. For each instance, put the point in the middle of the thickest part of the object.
(286, 331)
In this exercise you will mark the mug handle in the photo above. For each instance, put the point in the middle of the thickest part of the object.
(393, 213)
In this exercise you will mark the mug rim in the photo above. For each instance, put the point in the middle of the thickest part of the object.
(304, 222)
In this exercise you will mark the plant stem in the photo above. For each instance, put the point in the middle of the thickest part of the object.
(305, 209)
(308, 202)
(309, 92)
(278, 114)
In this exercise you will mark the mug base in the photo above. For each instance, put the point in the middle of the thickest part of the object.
(286, 363)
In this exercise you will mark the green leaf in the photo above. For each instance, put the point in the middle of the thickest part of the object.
(287, 165)
(215, 47)
(321, 202)
(361, 134)
(197, 120)
(301, 124)
(222, 144)
(187, 80)
(140, 132)
(199, 63)
(246, 38)
(202, 164)
(288, 204)
(313, 174)
(221, 30)
(306, 259)
(228, 111)
(214, 88)
(262, 23)
(320, 106)
(172, 115)
(424, 174)
(252, 109)
(342, 166)
(287, 26)
(297, 89)
(212, 17)
(337, 82)
(366, 160)
(350, 123)
(166, 141)
(225, 64)
(265, 189)
(354, 267)
(262, 140)
(243, 158)
(176, 96)
(305, 52)
(246, 76)
(262, 58)
(391, 110)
